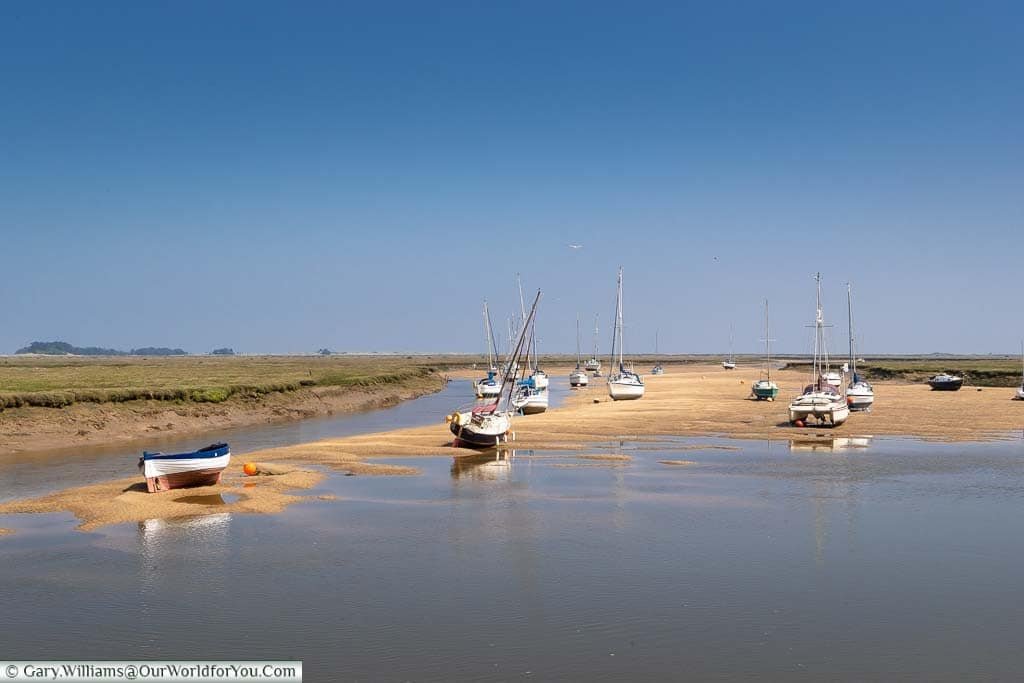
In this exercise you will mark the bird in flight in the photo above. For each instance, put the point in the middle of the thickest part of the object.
(575, 246)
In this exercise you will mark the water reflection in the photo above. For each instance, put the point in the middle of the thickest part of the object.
(828, 444)
(493, 465)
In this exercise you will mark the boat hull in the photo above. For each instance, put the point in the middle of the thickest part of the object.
(480, 431)
(531, 404)
(1020, 394)
(946, 386)
(826, 410)
(184, 480)
(625, 391)
(484, 390)
(184, 470)
(765, 391)
(859, 397)
(728, 366)
(578, 379)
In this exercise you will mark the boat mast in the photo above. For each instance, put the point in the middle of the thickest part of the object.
(618, 298)
(767, 341)
(597, 317)
(821, 363)
(492, 352)
(849, 310)
(532, 344)
(577, 341)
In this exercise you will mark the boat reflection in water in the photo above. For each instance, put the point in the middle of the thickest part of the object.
(828, 444)
(492, 465)
(198, 542)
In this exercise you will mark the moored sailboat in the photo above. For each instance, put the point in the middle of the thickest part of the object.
(765, 389)
(1020, 389)
(820, 399)
(578, 377)
(657, 369)
(730, 362)
(484, 426)
(594, 364)
(860, 395)
(489, 386)
(623, 385)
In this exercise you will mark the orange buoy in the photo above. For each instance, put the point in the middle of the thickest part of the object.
(250, 469)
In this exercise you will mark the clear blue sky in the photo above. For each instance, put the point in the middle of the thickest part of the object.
(279, 177)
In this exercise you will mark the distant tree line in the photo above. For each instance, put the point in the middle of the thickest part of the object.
(59, 348)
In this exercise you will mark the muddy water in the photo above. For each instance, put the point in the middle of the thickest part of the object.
(41, 472)
(851, 561)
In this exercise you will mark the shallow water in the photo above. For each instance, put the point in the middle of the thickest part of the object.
(37, 473)
(866, 560)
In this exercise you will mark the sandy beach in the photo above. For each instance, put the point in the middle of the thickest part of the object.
(689, 400)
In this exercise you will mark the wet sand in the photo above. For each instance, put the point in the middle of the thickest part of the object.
(686, 401)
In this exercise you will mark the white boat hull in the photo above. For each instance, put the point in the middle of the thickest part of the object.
(482, 430)
(578, 378)
(859, 397)
(625, 390)
(826, 408)
(531, 403)
(484, 390)
(1020, 394)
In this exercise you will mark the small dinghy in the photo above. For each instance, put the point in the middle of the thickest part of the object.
(946, 382)
(182, 470)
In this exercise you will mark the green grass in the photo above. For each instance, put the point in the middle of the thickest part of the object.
(61, 381)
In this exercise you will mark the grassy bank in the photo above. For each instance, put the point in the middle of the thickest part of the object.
(981, 372)
(56, 382)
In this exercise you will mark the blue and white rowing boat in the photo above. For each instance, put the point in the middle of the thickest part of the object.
(180, 470)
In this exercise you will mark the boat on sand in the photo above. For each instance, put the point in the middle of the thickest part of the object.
(821, 399)
(182, 470)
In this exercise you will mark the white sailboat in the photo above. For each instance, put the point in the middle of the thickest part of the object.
(1020, 389)
(860, 395)
(489, 386)
(625, 384)
(486, 426)
(539, 377)
(729, 363)
(578, 377)
(657, 369)
(765, 389)
(820, 399)
(594, 364)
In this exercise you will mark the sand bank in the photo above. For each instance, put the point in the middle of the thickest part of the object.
(686, 401)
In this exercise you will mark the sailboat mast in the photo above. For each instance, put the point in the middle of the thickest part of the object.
(622, 341)
(849, 322)
(767, 341)
(577, 341)
(597, 331)
(818, 330)
(491, 352)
